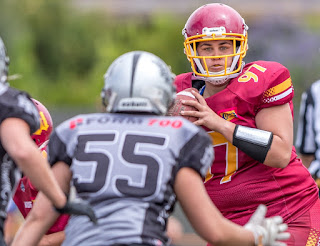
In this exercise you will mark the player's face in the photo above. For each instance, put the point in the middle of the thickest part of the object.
(216, 48)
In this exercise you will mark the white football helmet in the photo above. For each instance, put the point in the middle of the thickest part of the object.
(4, 63)
(138, 82)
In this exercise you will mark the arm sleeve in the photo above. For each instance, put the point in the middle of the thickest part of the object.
(19, 105)
(197, 153)
(57, 150)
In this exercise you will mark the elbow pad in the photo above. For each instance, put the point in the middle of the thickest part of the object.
(254, 142)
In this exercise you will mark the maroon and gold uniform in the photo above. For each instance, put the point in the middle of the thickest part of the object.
(237, 183)
(26, 194)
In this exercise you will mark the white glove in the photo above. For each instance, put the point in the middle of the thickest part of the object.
(267, 231)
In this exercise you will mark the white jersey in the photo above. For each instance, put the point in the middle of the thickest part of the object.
(125, 167)
(308, 134)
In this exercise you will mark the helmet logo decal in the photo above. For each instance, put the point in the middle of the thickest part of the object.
(43, 124)
(217, 31)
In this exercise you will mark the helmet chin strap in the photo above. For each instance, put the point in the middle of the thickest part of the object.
(221, 79)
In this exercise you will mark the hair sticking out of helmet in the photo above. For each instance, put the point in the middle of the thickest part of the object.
(4, 63)
(41, 136)
(215, 22)
(138, 82)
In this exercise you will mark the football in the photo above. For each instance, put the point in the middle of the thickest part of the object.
(177, 106)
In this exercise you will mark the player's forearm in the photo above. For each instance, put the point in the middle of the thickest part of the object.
(233, 235)
(261, 145)
(54, 239)
(26, 234)
(41, 217)
(226, 128)
(17, 142)
(41, 177)
(279, 154)
(217, 230)
(204, 216)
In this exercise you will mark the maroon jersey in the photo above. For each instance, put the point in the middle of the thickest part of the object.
(24, 197)
(236, 183)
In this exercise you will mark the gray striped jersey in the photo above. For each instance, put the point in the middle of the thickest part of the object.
(125, 167)
(308, 133)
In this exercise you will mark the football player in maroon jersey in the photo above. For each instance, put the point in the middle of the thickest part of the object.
(26, 193)
(247, 110)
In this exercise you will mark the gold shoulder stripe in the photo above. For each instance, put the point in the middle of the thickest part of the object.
(278, 88)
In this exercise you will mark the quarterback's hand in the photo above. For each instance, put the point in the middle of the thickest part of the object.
(267, 231)
(78, 208)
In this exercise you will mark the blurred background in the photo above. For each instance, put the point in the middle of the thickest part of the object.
(60, 49)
